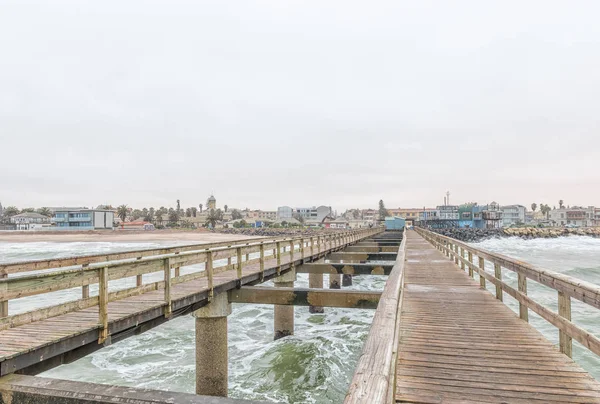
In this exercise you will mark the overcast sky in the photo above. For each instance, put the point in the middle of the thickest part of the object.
(269, 103)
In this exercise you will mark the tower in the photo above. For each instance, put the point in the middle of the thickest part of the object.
(211, 203)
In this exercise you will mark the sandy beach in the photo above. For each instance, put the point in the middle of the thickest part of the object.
(194, 236)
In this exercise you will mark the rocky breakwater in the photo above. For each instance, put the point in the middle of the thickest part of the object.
(551, 232)
(474, 235)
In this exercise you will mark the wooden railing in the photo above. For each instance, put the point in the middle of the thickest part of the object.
(102, 271)
(374, 379)
(565, 286)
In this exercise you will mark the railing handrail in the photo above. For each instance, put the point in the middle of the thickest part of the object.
(102, 272)
(566, 286)
(569, 285)
(54, 263)
(375, 375)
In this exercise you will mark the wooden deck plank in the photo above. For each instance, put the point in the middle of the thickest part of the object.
(459, 344)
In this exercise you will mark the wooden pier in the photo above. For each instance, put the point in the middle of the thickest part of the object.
(438, 335)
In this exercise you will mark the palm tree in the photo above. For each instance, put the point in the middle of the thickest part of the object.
(561, 203)
(122, 212)
(200, 206)
(533, 206)
(45, 212)
(194, 211)
(225, 207)
(174, 216)
(211, 219)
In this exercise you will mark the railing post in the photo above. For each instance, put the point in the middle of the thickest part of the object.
(229, 265)
(498, 274)
(85, 289)
(312, 246)
(239, 262)
(262, 261)
(3, 303)
(167, 277)
(482, 267)
(138, 278)
(247, 254)
(209, 274)
(456, 254)
(564, 310)
(462, 255)
(278, 257)
(103, 304)
(319, 245)
(292, 253)
(470, 255)
(523, 311)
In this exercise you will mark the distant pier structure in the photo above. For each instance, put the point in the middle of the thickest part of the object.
(437, 335)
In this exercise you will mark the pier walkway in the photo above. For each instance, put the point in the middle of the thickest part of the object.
(458, 343)
(438, 333)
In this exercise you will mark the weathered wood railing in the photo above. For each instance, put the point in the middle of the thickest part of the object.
(566, 287)
(101, 272)
(374, 379)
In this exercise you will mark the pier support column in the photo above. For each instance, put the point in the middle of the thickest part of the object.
(335, 281)
(346, 280)
(284, 314)
(211, 347)
(315, 281)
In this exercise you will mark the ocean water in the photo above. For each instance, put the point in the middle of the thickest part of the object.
(313, 366)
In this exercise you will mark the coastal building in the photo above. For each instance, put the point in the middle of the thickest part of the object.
(487, 216)
(465, 215)
(312, 214)
(513, 214)
(339, 223)
(261, 215)
(575, 216)
(83, 219)
(370, 215)
(30, 221)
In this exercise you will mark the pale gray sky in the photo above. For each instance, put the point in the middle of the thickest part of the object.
(269, 103)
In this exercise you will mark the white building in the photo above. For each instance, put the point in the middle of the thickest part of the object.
(84, 219)
(313, 214)
(30, 221)
(513, 214)
(575, 216)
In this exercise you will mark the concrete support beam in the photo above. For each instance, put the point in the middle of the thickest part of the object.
(306, 297)
(20, 389)
(359, 257)
(283, 324)
(361, 249)
(348, 268)
(315, 281)
(346, 280)
(378, 244)
(211, 347)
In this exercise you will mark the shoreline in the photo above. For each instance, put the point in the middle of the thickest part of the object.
(124, 236)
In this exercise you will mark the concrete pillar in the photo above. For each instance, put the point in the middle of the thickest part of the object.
(315, 281)
(335, 281)
(284, 314)
(211, 347)
(346, 280)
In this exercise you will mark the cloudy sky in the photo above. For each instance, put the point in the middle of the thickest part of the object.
(269, 103)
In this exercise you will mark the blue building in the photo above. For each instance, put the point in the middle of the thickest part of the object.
(394, 223)
(83, 219)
